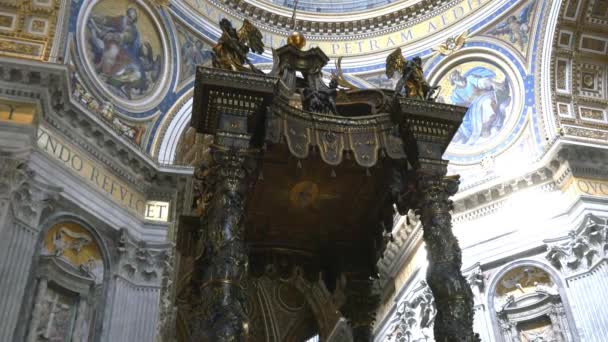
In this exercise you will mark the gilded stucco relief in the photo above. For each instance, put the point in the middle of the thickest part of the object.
(73, 244)
(27, 28)
(580, 71)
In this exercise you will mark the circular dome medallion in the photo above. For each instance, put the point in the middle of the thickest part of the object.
(125, 52)
(491, 88)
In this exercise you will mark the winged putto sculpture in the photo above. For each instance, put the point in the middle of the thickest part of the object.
(232, 48)
(412, 76)
(452, 44)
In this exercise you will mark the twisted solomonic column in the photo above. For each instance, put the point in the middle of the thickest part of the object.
(221, 264)
(453, 296)
(360, 308)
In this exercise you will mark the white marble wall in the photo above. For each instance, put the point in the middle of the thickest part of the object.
(578, 238)
(134, 312)
(24, 198)
(17, 246)
(588, 295)
(132, 303)
(482, 324)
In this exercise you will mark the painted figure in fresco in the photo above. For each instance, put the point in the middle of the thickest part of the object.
(194, 53)
(487, 100)
(121, 58)
(517, 28)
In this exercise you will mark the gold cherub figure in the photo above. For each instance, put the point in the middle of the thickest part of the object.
(412, 76)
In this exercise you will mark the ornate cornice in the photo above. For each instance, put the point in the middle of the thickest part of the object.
(565, 161)
(26, 196)
(480, 203)
(579, 161)
(405, 238)
(48, 84)
(142, 263)
(393, 21)
(582, 249)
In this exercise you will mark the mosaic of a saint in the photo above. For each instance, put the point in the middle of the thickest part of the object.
(486, 94)
(121, 56)
(516, 28)
(193, 52)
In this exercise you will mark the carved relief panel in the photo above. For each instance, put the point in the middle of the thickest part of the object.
(69, 281)
(415, 316)
(73, 244)
(581, 249)
(528, 307)
(57, 316)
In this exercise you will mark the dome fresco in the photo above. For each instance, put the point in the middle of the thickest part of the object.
(124, 50)
(492, 71)
(362, 165)
(130, 65)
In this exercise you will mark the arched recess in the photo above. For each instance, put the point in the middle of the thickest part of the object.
(527, 302)
(546, 63)
(279, 311)
(294, 308)
(69, 283)
(280, 308)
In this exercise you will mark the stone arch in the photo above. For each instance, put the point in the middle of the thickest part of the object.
(310, 308)
(321, 302)
(172, 130)
(546, 309)
(547, 69)
(76, 279)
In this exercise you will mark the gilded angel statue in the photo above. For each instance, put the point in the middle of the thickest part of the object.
(412, 76)
(233, 46)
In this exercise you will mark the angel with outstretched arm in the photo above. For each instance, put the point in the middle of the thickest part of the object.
(233, 46)
(412, 76)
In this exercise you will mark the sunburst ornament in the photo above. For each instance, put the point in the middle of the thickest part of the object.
(452, 44)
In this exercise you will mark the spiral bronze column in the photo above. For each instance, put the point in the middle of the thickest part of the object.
(221, 264)
(453, 296)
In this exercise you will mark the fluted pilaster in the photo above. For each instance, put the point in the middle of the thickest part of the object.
(588, 293)
(22, 201)
(136, 290)
(134, 311)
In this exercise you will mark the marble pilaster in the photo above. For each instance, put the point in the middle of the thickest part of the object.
(136, 292)
(35, 320)
(27, 198)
